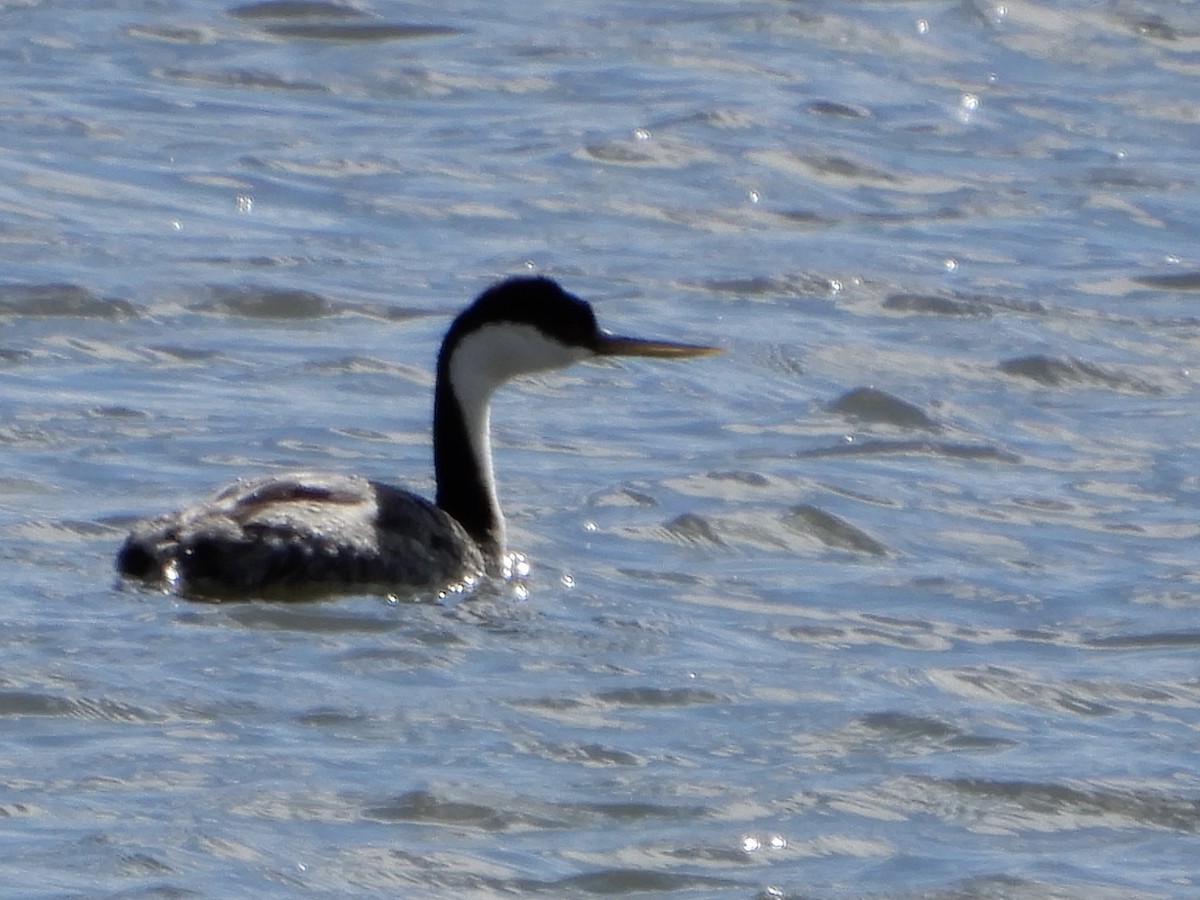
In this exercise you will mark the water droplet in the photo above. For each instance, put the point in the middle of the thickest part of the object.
(755, 196)
(950, 264)
(750, 843)
(922, 26)
(641, 134)
(244, 203)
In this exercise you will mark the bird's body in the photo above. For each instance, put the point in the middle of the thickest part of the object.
(299, 532)
(295, 534)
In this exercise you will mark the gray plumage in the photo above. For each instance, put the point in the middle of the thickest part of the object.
(288, 533)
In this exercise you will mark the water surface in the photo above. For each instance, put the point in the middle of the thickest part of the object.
(897, 598)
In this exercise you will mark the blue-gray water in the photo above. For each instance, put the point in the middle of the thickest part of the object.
(899, 598)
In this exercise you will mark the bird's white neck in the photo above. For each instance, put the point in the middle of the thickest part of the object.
(468, 375)
(474, 397)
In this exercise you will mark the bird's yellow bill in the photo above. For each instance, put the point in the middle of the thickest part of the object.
(615, 345)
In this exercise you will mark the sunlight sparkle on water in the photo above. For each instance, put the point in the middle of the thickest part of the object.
(515, 565)
(968, 105)
(460, 587)
(752, 843)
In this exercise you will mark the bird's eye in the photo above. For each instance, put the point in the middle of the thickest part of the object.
(575, 333)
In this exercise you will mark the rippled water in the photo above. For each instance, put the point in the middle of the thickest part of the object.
(897, 598)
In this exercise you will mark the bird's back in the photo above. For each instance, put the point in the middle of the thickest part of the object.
(285, 535)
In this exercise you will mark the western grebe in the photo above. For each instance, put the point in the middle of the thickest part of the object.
(309, 532)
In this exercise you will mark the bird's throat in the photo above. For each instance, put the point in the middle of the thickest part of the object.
(462, 461)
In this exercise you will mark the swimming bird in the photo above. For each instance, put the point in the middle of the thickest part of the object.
(302, 533)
